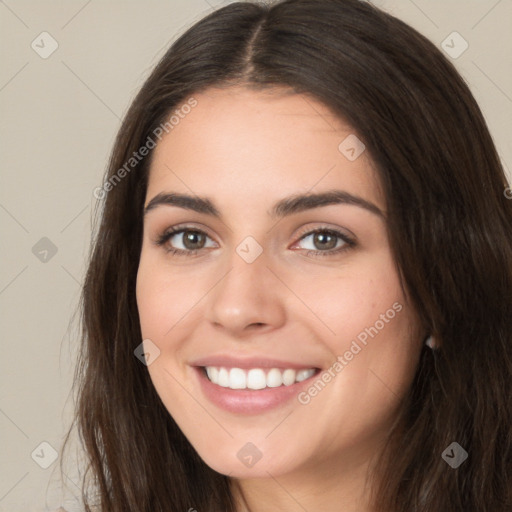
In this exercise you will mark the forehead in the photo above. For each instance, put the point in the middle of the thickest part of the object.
(247, 146)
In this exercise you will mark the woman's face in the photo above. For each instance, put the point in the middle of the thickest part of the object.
(316, 324)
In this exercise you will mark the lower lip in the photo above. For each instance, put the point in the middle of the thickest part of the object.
(249, 401)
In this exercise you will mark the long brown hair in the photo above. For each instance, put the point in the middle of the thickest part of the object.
(449, 226)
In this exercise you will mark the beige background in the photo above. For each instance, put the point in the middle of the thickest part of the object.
(59, 117)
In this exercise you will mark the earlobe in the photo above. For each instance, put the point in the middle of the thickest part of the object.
(430, 343)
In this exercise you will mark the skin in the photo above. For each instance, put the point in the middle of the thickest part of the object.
(245, 150)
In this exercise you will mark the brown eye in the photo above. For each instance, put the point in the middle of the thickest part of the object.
(326, 242)
(191, 241)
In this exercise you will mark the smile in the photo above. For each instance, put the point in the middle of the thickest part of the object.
(256, 378)
(251, 391)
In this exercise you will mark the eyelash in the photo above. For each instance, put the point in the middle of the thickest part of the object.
(166, 235)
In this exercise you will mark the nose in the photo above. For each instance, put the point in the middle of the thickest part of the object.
(247, 298)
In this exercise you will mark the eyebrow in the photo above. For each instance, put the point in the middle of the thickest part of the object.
(284, 207)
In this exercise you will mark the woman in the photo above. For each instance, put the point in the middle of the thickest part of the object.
(299, 294)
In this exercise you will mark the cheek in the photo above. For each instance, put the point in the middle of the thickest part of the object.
(163, 300)
(354, 298)
(164, 296)
(149, 299)
(369, 324)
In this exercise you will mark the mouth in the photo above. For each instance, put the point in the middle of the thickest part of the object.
(256, 378)
(252, 390)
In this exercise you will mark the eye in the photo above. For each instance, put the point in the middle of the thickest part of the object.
(192, 240)
(330, 241)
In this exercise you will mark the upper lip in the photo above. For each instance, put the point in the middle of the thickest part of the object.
(248, 362)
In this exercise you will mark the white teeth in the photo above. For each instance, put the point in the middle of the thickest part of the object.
(223, 378)
(237, 378)
(289, 377)
(274, 378)
(213, 373)
(304, 374)
(256, 378)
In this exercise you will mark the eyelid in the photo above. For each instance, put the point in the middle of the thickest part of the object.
(185, 226)
(323, 226)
